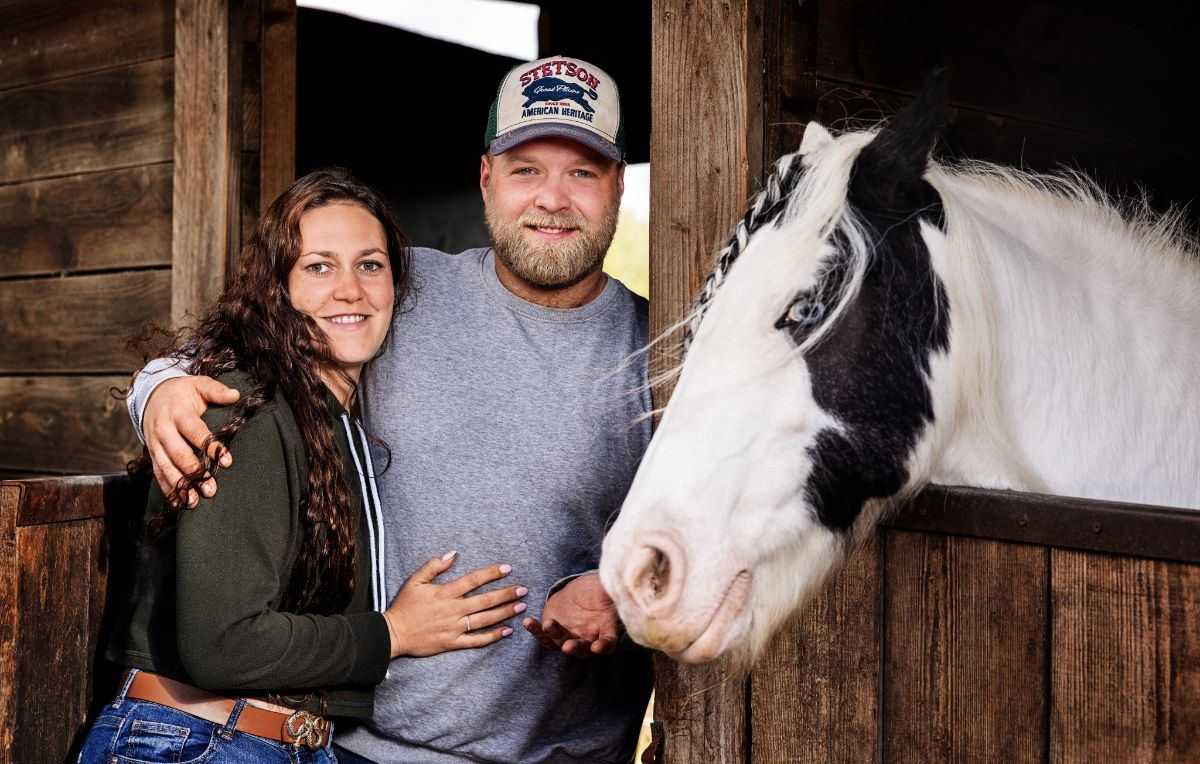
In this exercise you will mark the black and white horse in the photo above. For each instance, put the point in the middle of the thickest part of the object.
(878, 321)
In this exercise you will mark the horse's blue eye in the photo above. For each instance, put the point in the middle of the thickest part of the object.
(806, 312)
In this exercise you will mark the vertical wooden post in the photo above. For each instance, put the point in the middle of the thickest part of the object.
(206, 219)
(277, 146)
(706, 155)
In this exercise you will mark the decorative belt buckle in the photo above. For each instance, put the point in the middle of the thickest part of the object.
(307, 729)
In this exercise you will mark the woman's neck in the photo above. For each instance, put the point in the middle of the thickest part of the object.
(343, 382)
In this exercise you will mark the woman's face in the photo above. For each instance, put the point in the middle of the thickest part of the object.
(343, 279)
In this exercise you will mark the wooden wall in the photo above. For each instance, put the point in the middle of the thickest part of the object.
(90, 173)
(934, 646)
(85, 220)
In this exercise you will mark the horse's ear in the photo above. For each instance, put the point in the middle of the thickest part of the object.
(815, 136)
(895, 161)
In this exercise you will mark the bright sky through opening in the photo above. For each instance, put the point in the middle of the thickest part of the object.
(496, 26)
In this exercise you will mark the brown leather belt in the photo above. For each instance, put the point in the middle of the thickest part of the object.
(299, 728)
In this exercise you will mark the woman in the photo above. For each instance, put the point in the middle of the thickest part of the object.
(261, 613)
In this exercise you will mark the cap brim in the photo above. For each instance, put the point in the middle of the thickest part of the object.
(525, 133)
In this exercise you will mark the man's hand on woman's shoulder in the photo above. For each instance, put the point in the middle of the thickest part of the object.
(175, 430)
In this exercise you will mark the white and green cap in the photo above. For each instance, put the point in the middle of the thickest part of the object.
(557, 96)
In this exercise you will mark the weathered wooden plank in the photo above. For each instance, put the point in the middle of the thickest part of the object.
(68, 424)
(702, 711)
(278, 141)
(964, 650)
(10, 500)
(80, 323)
(697, 191)
(51, 39)
(112, 118)
(114, 219)
(1134, 530)
(207, 156)
(1126, 660)
(815, 693)
(59, 566)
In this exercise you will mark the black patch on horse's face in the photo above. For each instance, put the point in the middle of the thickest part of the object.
(870, 370)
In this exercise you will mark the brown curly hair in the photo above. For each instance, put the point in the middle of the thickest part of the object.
(253, 328)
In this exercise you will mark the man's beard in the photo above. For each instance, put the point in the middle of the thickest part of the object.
(552, 264)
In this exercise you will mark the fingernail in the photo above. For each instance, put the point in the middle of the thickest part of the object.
(519, 607)
(448, 556)
(522, 591)
(506, 631)
(226, 459)
(506, 569)
(208, 490)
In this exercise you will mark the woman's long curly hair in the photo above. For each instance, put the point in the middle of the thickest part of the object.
(253, 328)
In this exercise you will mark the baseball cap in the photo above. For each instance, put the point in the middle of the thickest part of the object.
(557, 96)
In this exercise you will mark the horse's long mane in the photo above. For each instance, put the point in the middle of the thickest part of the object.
(1071, 195)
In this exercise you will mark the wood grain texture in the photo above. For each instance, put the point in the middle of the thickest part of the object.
(1126, 649)
(80, 323)
(51, 39)
(112, 118)
(59, 566)
(10, 502)
(699, 188)
(277, 145)
(69, 424)
(207, 156)
(815, 693)
(964, 650)
(114, 219)
(702, 710)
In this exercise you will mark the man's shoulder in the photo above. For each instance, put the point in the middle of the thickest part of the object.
(636, 307)
(430, 259)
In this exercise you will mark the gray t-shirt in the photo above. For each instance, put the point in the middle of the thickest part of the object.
(514, 433)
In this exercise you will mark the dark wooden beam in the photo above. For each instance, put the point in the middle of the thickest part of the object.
(277, 145)
(1065, 522)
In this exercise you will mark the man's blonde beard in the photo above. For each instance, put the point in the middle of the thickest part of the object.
(552, 264)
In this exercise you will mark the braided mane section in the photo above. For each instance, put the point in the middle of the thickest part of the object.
(765, 208)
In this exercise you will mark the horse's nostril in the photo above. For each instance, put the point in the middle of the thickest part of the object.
(654, 574)
(661, 572)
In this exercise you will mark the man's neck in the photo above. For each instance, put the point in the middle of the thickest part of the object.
(576, 295)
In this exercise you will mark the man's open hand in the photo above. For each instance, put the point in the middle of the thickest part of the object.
(172, 425)
(579, 619)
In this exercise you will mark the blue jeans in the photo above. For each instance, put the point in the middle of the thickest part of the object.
(129, 731)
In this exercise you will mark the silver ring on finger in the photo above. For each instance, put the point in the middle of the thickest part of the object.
(468, 623)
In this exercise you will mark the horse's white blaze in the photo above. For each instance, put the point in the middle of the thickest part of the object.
(1044, 387)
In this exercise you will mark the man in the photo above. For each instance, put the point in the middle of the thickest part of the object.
(512, 419)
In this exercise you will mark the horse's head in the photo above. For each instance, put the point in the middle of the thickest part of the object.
(805, 400)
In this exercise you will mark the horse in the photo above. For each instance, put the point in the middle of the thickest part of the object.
(880, 320)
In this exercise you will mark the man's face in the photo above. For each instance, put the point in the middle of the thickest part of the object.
(551, 209)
